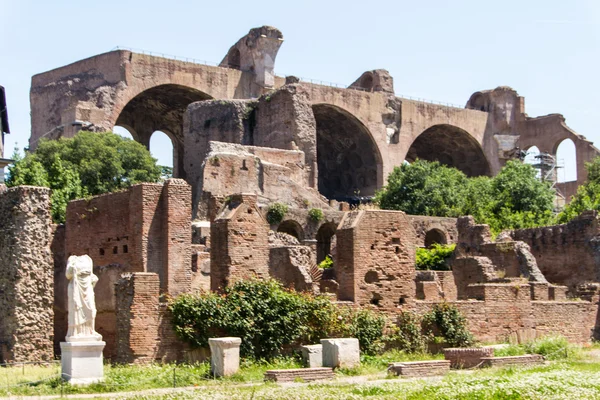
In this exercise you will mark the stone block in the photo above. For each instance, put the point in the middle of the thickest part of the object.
(224, 355)
(467, 357)
(527, 359)
(341, 352)
(420, 368)
(299, 374)
(312, 355)
(82, 362)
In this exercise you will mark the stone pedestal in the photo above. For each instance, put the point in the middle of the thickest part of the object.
(82, 361)
(341, 353)
(224, 355)
(312, 355)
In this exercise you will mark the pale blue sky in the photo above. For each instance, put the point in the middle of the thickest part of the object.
(439, 50)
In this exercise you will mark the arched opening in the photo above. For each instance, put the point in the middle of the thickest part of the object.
(325, 239)
(291, 228)
(450, 146)
(532, 157)
(234, 59)
(566, 160)
(348, 159)
(161, 147)
(160, 108)
(124, 132)
(434, 236)
(367, 82)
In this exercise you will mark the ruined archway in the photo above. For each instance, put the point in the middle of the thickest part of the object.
(292, 228)
(325, 236)
(348, 160)
(161, 108)
(450, 146)
(434, 236)
(566, 160)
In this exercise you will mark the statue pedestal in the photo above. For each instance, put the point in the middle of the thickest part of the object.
(82, 361)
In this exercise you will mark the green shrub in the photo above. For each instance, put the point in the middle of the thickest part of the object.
(265, 315)
(326, 263)
(270, 319)
(510, 350)
(367, 326)
(554, 347)
(434, 258)
(315, 214)
(407, 334)
(446, 322)
(276, 213)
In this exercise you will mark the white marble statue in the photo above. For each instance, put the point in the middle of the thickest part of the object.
(82, 304)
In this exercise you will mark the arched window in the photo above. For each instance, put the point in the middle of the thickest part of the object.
(291, 228)
(161, 148)
(532, 157)
(123, 131)
(434, 236)
(566, 159)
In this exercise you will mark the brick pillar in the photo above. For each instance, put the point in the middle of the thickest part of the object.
(138, 319)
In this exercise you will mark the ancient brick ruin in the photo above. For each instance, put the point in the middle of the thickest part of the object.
(245, 138)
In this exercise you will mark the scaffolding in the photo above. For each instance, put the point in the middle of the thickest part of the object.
(548, 167)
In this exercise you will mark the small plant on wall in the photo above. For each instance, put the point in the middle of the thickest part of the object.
(276, 213)
(315, 214)
(435, 258)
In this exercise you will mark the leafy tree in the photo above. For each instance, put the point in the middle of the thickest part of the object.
(514, 198)
(587, 196)
(424, 188)
(87, 164)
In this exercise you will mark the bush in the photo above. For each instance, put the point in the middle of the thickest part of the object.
(446, 322)
(270, 318)
(326, 263)
(407, 334)
(553, 347)
(367, 326)
(276, 213)
(315, 214)
(434, 258)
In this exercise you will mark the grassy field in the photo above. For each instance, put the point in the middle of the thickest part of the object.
(575, 377)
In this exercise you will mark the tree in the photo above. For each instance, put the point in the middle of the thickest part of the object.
(514, 198)
(587, 196)
(424, 188)
(86, 165)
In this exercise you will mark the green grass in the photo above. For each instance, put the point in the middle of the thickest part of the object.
(570, 378)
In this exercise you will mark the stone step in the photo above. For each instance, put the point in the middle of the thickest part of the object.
(467, 357)
(303, 374)
(420, 368)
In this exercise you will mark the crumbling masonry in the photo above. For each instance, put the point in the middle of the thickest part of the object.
(244, 138)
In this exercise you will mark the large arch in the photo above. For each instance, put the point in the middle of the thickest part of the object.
(565, 153)
(161, 108)
(348, 159)
(452, 146)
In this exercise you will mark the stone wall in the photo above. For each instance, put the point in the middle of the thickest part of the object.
(239, 243)
(376, 258)
(26, 275)
(567, 254)
(291, 266)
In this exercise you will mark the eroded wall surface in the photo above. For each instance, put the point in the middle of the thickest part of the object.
(26, 275)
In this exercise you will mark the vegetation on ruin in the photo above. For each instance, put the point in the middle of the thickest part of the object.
(407, 334)
(271, 319)
(434, 258)
(326, 263)
(587, 196)
(85, 165)
(446, 322)
(513, 199)
(276, 213)
(316, 214)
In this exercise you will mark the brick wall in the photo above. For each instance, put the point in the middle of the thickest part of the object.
(143, 326)
(26, 275)
(424, 224)
(376, 258)
(240, 245)
(146, 228)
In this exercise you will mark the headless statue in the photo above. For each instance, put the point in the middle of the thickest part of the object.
(82, 304)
